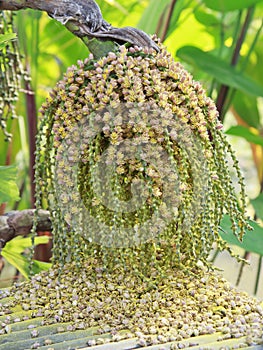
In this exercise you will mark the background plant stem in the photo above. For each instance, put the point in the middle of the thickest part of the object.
(167, 22)
(222, 95)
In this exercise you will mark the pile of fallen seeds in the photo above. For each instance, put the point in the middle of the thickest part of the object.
(179, 307)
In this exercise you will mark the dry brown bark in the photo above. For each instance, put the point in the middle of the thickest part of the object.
(83, 18)
(20, 223)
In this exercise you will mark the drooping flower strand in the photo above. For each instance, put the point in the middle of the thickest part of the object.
(11, 73)
(135, 164)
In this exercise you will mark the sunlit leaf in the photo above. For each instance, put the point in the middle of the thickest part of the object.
(121, 13)
(6, 37)
(252, 241)
(21, 263)
(12, 253)
(117, 5)
(219, 69)
(8, 187)
(246, 133)
(150, 18)
(258, 205)
(207, 19)
(19, 243)
(247, 108)
(230, 5)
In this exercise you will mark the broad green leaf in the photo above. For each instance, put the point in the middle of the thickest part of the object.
(21, 263)
(12, 253)
(230, 5)
(8, 187)
(244, 132)
(207, 19)
(217, 68)
(247, 108)
(258, 205)
(117, 5)
(6, 37)
(121, 13)
(39, 266)
(252, 241)
(19, 244)
(182, 36)
(150, 18)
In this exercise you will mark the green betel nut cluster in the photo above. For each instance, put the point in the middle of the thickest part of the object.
(11, 71)
(132, 161)
(94, 307)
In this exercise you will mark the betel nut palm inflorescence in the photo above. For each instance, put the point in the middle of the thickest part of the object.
(133, 162)
(133, 166)
(11, 71)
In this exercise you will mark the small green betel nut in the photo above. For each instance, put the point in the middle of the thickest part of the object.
(133, 164)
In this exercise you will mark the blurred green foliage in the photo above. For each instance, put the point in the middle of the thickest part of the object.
(6, 37)
(8, 187)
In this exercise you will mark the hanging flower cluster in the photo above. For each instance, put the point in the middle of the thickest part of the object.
(11, 71)
(132, 161)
